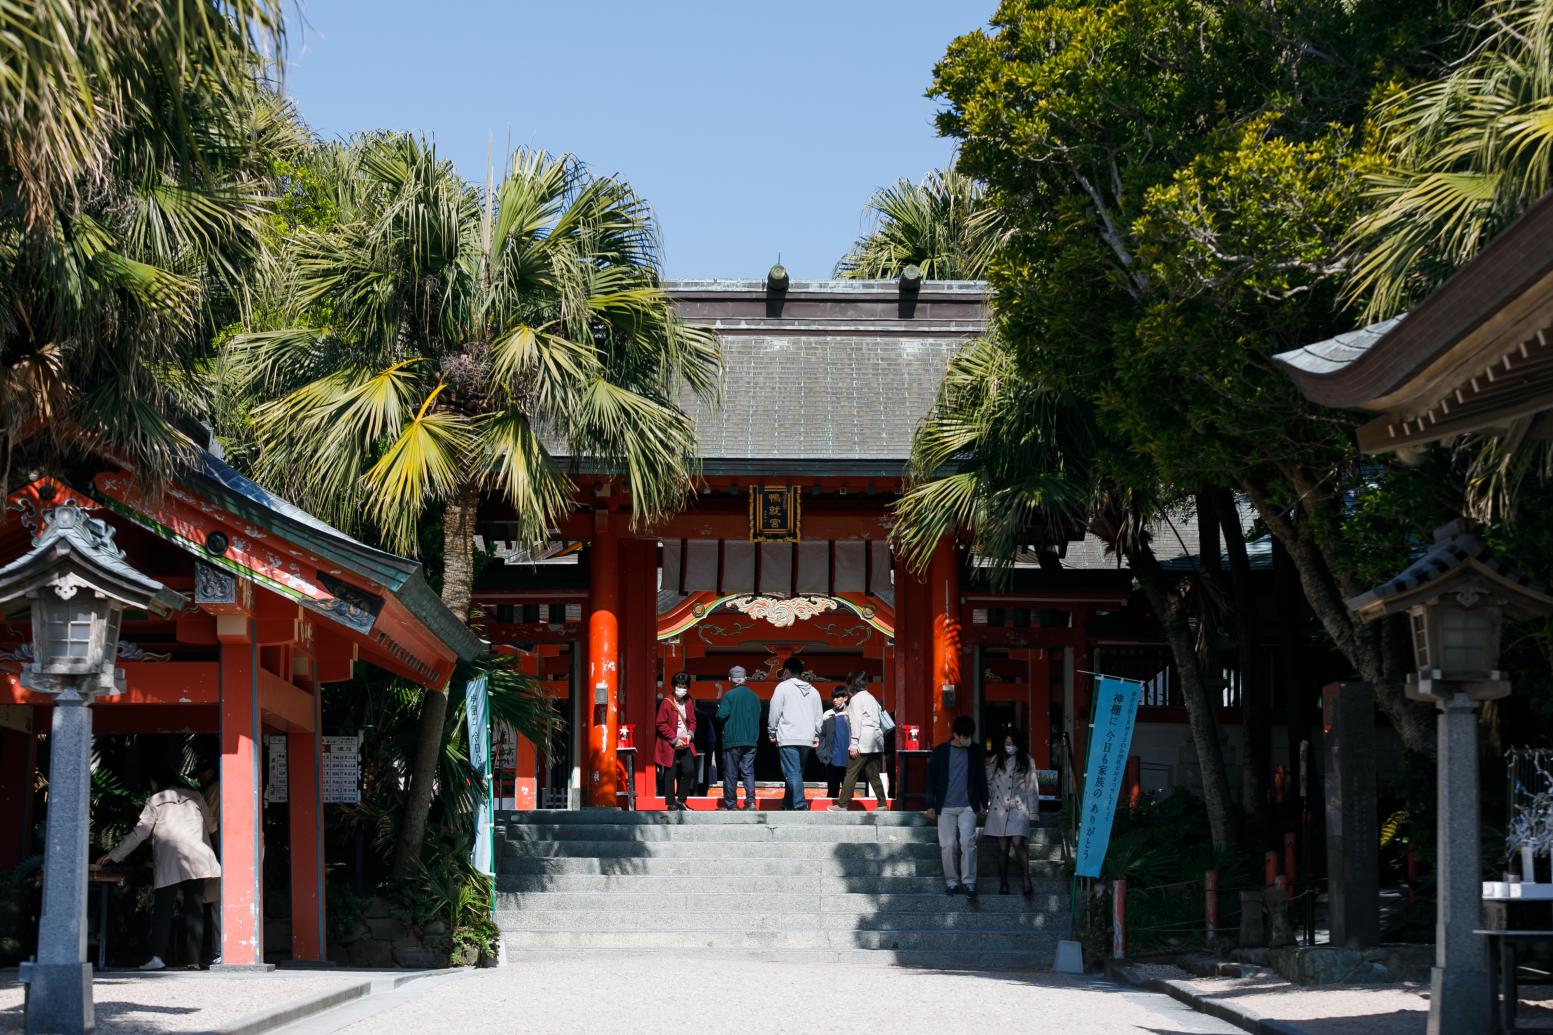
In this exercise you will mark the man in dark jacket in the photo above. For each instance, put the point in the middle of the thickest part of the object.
(957, 795)
(739, 715)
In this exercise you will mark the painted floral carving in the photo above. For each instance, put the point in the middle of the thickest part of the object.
(782, 611)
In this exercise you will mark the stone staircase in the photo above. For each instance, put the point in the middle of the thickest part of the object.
(858, 887)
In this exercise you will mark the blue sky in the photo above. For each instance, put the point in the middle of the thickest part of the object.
(753, 128)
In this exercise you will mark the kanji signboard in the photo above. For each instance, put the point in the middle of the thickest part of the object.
(774, 513)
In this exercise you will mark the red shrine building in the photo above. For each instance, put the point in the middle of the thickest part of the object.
(282, 605)
(785, 550)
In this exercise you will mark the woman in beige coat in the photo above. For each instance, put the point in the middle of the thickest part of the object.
(179, 825)
(1015, 792)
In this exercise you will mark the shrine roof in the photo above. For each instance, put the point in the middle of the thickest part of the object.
(1474, 357)
(400, 576)
(827, 376)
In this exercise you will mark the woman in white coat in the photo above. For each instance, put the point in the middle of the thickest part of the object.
(179, 825)
(1015, 793)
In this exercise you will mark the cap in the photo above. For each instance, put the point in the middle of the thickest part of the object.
(737, 673)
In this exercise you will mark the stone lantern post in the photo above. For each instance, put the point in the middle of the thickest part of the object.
(78, 586)
(1456, 597)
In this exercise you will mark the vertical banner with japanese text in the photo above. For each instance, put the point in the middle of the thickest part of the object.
(1116, 710)
(477, 714)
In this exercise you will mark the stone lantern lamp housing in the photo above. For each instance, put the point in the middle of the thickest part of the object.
(78, 586)
(1457, 596)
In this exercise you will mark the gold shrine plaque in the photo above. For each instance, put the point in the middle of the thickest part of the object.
(774, 513)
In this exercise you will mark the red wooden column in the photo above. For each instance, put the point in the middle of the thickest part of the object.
(242, 880)
(639, 653)
(18, 766)
(1083, 689)
(944, 605)
(913, 652)
(306, 813)
(603, 665)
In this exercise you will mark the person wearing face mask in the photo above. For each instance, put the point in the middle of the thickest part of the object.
(1015, 792)
(957, 794)
(675, 751)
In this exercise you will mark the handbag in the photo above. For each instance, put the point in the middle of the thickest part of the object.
(886, 723)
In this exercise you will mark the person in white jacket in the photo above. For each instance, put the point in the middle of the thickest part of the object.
(179, 825)
(867, 748)
(794, 727)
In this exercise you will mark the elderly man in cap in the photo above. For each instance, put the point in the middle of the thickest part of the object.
(738, 713)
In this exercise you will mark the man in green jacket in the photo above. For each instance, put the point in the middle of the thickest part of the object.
(739, 716)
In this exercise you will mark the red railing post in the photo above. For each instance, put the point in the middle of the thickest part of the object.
(1270, 869)
(1119, 919)
(1210, 882)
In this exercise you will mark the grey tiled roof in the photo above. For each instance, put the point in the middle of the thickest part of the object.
(1325, 357)
(821, 398)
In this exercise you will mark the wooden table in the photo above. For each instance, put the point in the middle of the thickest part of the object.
(1504, 984)
(104, 880)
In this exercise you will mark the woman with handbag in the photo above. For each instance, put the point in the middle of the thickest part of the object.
(675, 750)
(1015, 791)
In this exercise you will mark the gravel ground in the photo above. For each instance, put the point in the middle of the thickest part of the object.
(665, 993)
(1401, 1009)
(182, 1001)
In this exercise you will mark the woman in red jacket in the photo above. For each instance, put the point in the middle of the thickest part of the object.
(675, 751)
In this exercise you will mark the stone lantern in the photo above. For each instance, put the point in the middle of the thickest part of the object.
(78, 586)
(1457, 596)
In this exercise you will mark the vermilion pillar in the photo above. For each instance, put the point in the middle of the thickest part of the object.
(639, 652)
(242, 884)
(913, 652)
(603, 664)
(305, 806)
(944, 587)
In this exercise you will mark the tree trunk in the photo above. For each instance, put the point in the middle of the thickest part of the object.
(458, 531)
(1255, 696)
(1360, 644)
(1195, 693)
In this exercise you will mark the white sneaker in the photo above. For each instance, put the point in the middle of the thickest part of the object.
(154, 963)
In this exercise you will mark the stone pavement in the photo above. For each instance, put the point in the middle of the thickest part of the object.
(665, 992)
(179, 1001)
(1267, 1004)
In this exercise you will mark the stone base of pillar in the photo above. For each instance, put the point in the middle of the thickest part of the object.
(1458, 1000)
(59, 999)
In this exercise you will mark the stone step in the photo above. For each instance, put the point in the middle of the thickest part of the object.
(689, 885)
(937, 959)
(958, 916)
(721, 833)
(1037, 941)
(1050, 897)
(798, 851)
(617, 817)
(726, 866)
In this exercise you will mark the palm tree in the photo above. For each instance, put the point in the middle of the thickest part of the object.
(943, 225)
(437, 342)
(135, 139)
(1463, 156)
(1005, 459)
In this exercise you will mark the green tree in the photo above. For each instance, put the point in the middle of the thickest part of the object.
(435, 342)
(1462, 154)
(1177, 176)
(1005, 459)
(135, 141)
(943, 225)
